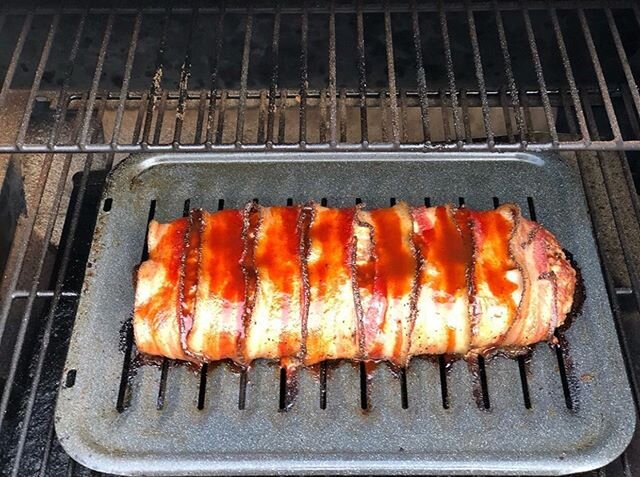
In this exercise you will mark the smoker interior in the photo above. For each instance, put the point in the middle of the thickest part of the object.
(84, 86)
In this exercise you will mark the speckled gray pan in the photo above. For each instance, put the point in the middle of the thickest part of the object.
(578, 427)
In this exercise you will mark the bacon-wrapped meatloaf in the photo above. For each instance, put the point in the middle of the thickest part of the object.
(309, 283)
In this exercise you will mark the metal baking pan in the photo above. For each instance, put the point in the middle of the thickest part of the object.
(115, 416)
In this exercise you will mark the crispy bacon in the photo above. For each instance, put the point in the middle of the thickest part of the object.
(309, 283)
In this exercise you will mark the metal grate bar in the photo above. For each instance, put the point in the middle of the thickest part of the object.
(155, 88)
(160, 117)
(421, 76)
(20, 294)
(304, 74)
(262, 111)
(321, 8)
(567, 145)
(528, 122)
(362, 75)
(404, 124)
(624, 60)
(282, 117)
(124, 89)
(584, 130)
(391, 74)
(466, 118)
(453, 91)
(46, 50)
(213, 89)
(506, 112)
(342, 114)
(185, 72)
(508, 69)
(202, 108)
(244, 75)
(13, 64)
(84, 133)
(137, 127)
(608, 105)
(273, 86)
(333, 108)
(631, 114)
(539, 74)
(221, 113)
(477, 61)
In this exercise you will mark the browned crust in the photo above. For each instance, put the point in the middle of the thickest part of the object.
(307, 216)
(252, 223)
(415, 290)
(470, 275)
(187, 305)
(355, 286)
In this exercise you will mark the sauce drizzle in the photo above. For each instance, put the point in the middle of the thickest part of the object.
(394, 271)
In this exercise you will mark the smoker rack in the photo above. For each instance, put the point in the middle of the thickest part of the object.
(591, 106)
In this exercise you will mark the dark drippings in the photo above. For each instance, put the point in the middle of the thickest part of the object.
(579, 294)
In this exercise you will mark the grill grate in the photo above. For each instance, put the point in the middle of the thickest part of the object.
(215, 84)
(78, 86)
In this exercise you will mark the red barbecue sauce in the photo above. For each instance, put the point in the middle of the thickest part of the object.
(447, 246)
(442, 246)
(168, 254)
(277, 257)
(170, 249)
(394, 267)
(222, 249)
(493, 233)
(331, 233)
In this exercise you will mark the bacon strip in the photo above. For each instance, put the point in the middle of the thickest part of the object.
(221, 295)
(385, 281)
(442, 322)
(332, 322)
(309, 283)
(275, 327)
(496, 277)
(155, 318)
